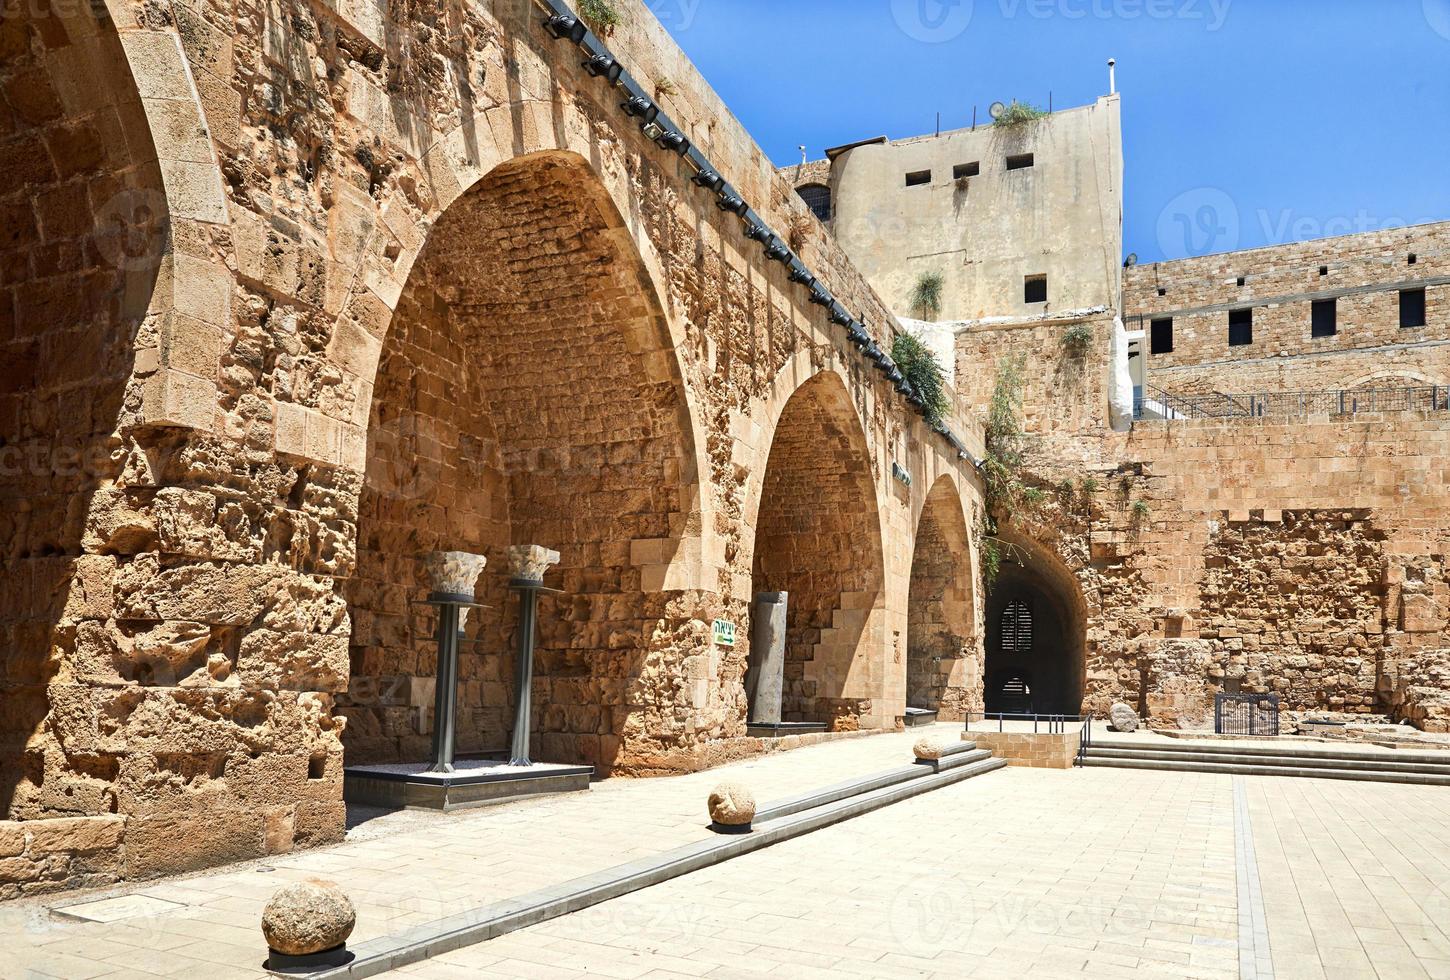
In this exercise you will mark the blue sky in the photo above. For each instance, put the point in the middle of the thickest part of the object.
(1246, 122)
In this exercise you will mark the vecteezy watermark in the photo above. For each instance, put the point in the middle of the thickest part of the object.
(1286, 226)
(1212, 13)
(1199, 222)
(1437, 15)
(933, 21)
(676, 15)
(132, 229)
(1207, 220)
(939, 21)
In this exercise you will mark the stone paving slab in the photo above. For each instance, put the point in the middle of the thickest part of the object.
(1028, 872)
(1045, 874)
(406, 869)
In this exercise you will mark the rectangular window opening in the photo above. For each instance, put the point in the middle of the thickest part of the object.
(1034, 289)
(1412, 308)
(1242, 280)
(1325, 321)
(1414, 258)
(1021, 161)
(1240, 328)
(967, 170)
(1162, 291)
(918, 178)
(1160, 338)
(1323, 271)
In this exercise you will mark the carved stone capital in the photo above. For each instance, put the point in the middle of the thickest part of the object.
(530, 562)
(453, 573)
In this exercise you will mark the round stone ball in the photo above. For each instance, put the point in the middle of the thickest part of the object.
(732, 805)
(1122, 718)
(308, 917)
(929, 749)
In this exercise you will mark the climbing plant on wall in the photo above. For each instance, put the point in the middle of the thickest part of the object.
(924, 371)
(1002, 466)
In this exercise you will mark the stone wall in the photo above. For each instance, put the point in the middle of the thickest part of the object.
(321, 289)
(944, 655)
(1301, 558)
(1363, 273)
(1031, 751)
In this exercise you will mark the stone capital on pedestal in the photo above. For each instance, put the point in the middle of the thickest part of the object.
(454, 573)
(530, 562)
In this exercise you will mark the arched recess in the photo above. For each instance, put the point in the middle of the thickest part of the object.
(818, 538)
(527, 393)
(1036, 633)
(84, 231)
(943, 664)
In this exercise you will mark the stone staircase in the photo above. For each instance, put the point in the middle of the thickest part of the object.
(1304, 760)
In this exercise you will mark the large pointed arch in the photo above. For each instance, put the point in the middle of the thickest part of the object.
(527, 393)
(84, 235)
(1041, 666)
(943, 663)
(818, 539)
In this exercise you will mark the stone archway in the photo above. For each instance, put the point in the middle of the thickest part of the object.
(818, 538)
(943, 665)
(84, 232)
(1036, 636)
(519, 399)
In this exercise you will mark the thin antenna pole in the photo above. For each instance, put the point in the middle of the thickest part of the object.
(938, 123)
(1049, 102)
(974, 119)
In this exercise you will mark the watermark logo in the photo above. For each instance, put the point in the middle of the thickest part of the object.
(131, 229)
(1199, 222)
(933, 21)
(675, 15)
(1211, 13)
(1437, 15)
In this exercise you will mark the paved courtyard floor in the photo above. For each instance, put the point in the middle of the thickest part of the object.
(1019, 872)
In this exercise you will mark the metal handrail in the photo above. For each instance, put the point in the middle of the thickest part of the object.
(1056, 723)
(1345, 401)
(1085, 740)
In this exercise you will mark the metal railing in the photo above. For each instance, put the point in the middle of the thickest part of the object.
(1042, 724)
(1157, 404)
(1085, 740)
(1246, 714)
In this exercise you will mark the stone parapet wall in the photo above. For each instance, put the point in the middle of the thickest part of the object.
(1031, 750)
(1362, 273)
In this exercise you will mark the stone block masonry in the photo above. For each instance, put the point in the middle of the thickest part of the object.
(1362, 275)
(289, 298)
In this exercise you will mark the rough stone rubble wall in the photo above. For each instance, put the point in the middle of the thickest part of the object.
(1307, 559)
(187, 612)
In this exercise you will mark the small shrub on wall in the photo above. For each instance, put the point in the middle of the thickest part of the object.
(924, 371)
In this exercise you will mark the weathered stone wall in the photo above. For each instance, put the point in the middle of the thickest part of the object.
(1302, 558)
(298, 322)
(1363, 273)
(814, 540)
(944, 652)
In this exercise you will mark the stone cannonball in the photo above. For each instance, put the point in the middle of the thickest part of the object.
(929, 749)
(732, 805)
(1123, 718)
(308, 917)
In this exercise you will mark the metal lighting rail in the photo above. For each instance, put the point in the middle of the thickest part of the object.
(565, 25)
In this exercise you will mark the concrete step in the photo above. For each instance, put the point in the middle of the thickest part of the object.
(956, 759)
(1271, 747)
(836, 792)
(1262, 769)
(1294, 761)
